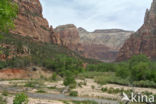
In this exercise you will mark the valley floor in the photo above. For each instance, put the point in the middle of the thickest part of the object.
(48, 92)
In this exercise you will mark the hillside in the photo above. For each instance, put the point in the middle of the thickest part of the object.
(18, 51)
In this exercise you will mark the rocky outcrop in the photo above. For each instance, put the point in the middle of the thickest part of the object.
(103, 44)
(30, 21)
(67, 36)
(144, 40)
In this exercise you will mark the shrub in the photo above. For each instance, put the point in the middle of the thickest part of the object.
(73, 93)
(69, 80)
(54, 76)
(104, 89)
(41, 91)
(20, 99)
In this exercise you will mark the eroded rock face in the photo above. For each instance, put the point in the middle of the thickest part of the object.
(103, 44)
(30, 21)
(67, 36)
(144, 40)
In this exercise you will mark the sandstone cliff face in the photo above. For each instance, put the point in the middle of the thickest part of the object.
(67, 36)
(103, 44)
(144, 40)
(30, 21)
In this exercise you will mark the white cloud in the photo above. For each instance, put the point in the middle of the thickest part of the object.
(95, 14)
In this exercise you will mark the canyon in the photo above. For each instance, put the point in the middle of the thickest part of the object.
(105, 45)
(101, 44)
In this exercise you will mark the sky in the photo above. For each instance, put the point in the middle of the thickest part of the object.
(96, 14)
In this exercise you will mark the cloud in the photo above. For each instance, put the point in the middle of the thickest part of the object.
(96, 14)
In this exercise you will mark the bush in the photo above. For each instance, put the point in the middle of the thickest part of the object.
(41, 91)
(73, 93)
(54, 76)
(104, 89)
(69, 80)
(20, 99)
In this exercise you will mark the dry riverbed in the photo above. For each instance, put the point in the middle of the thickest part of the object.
(85, 88)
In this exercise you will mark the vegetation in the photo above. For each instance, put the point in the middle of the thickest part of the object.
(20, 99)
(2, 100)
(8, 12)
(54, 77)
(41, 91)
(73, 93)
(34, 84)
(5, 93)
(53, 57)
(138, 71)
(115, 91)
(69, 80)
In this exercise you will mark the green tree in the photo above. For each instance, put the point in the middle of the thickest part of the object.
(141, 71)
(137, 59)
(123, 70)
(140, 67)
(69, 80)
(8, 12)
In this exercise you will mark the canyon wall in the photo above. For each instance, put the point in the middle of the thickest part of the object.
(30, 21)
(144, 40)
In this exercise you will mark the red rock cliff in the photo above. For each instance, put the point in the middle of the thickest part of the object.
(67, 36)
(144, 40)
(30, 21)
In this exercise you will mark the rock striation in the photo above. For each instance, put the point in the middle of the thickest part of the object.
(144, 40)
(103, 44)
